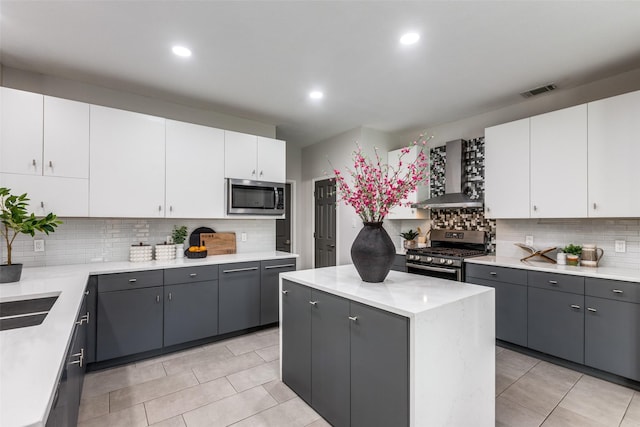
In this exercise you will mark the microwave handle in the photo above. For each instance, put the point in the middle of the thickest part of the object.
(275, 189)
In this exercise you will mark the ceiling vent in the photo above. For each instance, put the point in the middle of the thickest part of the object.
(538, 90)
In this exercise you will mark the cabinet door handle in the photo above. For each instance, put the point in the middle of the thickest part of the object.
(313, 302)
(80, 357)
(193, 274)
(261, 173)
(50, 164)
(169, 296)
(535, 208)
(83, 319)
(157, 298)
(593, 310)
(284, 292)
(159, 208)
(493, 273)
(353, 318)
(170, 208)
(575, 306)
(595, 206)
(236, 270)
(553, 282)
(133, 280)
(253, 172)
(86, 292)
(42, 205)
(617, 291)
(34, 163)
(269, 267)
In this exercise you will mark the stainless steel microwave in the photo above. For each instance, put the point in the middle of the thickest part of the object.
(246, 197)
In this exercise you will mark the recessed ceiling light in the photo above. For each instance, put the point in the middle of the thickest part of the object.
(316, 94)
(409, 38)
(181, 51)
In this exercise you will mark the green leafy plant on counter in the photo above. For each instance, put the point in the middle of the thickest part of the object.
(572, 249)
(15, 219)
(179, 234)
(409, 235)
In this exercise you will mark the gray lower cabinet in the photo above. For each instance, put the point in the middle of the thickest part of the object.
(349, 361)
(269, 285)
(129, 321)
(239, 296)
(511, 299)
(556, 323)
(190, 311)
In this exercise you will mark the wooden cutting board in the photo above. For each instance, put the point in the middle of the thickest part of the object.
(219, 243)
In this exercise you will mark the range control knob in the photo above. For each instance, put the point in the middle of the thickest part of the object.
(429, 259)
(442, 260)
(449, 261)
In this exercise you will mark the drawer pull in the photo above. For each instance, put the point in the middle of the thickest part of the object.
(353, 318)
(313, 302)
(593, 310)
(133, 280)
(617, 291)
(284, 292)
(575, 306)
(553, 282)
(169, 296)
(269, 267)
(493, 273)
(193, 274)
(237, 270)
(157, 298)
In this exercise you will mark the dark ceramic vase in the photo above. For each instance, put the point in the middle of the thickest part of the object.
(373, 252)
(10, 273)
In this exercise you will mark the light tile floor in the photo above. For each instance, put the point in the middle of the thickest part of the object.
(235, 383)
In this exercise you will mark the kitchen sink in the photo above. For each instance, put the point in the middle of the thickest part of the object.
(26, 312)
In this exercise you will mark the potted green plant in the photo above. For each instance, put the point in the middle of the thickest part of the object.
(409, 238)
(15, 220)
(573, 253)
(179, 235)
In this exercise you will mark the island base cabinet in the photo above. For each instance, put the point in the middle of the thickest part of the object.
(296, 338)
(349, 361)
(190, 311)
(556, 323)
(239, 296)
(269, 296)
(612, 332)
(379, 367)
(330, 357)
(129, 322)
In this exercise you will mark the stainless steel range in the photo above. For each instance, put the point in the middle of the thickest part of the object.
(445, 257)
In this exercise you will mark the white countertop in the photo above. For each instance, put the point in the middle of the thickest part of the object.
(597, 272)
(31, 358)
(401, 293)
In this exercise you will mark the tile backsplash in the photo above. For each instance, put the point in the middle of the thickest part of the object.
(84, 240)
(561, 232)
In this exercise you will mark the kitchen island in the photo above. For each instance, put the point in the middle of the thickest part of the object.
(413, 350)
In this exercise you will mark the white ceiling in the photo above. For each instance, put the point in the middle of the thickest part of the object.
(259, 59)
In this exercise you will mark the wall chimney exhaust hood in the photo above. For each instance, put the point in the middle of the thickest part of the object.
(454, 175)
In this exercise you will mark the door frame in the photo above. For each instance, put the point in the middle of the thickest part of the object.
(313, 221)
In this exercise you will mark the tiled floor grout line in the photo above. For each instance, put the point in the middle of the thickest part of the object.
(563, 397)
(626, 410)
(518, 379)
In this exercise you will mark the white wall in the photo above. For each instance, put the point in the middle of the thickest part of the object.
(78, 91)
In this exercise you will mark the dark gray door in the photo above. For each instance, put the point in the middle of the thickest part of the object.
(511, 310)
(612, 336)
(129, 322)
(190, 311)
(379, 367)
(283, 226)
(239, 296)
(325, 223)
(556, 323)
(296, 338)
(330, 361)
(269, 296)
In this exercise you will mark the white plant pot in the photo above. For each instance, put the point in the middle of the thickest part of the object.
(179, 250)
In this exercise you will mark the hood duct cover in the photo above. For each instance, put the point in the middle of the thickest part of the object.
(454, 173)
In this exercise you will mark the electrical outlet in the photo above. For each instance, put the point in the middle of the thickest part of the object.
(528, 240)
(621, 246)
(169, 240)
(38, 245)
(243, 237)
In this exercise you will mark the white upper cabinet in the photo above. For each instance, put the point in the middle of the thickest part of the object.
(66, 138)
(127, 164)
(43, 135)
(421, 193)
(21, 132)
(559, 164)
(65, 197)
(195, 171)
(614, 149)
(507, 170)
(253, 157)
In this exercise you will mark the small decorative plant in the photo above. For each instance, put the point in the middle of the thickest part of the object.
(572, 249)
(409, 235)
(179, 234)
(15, 219)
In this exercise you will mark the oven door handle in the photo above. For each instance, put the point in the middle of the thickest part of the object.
(438, 269)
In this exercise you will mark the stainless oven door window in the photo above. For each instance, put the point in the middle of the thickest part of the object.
(432, 271)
